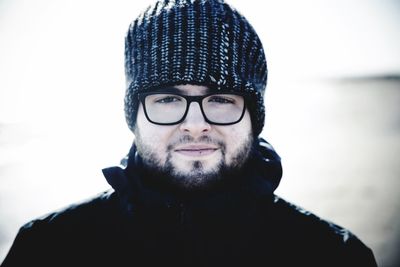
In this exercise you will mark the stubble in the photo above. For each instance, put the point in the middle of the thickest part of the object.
(198, 177)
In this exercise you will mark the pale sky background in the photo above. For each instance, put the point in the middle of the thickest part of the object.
(64, 49)
(61, 105)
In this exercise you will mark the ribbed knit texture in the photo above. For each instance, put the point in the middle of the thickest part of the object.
(194, 42)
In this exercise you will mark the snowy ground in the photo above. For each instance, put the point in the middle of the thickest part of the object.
(339, 142)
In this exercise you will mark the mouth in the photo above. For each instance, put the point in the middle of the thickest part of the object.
(196, 150)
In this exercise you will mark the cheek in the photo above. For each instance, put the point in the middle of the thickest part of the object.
(154, 136)
(236, 135)
(234, 140)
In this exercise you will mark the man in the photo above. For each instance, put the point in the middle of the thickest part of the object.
(196, 188)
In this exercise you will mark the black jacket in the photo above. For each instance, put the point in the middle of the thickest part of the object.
(140, 223)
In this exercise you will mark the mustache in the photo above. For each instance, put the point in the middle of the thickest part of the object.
(204, 139)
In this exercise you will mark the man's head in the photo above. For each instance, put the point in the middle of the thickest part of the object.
(195, 48)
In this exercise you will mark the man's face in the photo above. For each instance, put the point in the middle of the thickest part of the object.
(193, 153)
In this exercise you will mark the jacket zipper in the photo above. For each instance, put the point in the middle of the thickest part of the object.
(182, 214)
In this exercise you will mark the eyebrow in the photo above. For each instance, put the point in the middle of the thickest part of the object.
(173, 89)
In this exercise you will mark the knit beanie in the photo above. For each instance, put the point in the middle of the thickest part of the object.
(201, 42)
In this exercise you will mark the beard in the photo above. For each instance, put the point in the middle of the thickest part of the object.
(196, 174)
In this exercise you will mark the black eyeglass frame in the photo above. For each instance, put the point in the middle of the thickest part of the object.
(189, 100)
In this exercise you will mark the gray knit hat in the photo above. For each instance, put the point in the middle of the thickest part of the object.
(203, 42)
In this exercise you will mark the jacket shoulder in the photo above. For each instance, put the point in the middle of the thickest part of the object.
(327, 240)
(81, 212)
(297, 216)
(73, 229)
(75, 222)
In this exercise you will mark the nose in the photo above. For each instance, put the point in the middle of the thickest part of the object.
(195, 123)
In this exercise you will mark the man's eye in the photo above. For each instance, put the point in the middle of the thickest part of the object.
(168, 99)
(221, 100)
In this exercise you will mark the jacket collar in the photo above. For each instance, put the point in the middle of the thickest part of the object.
(263, 174)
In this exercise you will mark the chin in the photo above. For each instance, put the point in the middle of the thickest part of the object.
(195, 174)
(190, 167)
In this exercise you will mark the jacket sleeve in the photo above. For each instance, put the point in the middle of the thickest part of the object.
(358, 254)
(30, 247)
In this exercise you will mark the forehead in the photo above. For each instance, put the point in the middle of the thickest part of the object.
(187, 89)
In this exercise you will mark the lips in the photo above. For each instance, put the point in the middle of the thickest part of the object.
(196, 150)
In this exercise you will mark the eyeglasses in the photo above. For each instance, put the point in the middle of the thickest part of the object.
(171, 108)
